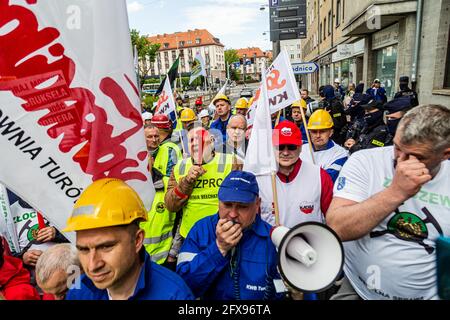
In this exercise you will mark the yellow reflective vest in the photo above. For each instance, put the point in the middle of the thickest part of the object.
(203, 201)
(162, 157)
(158, 227)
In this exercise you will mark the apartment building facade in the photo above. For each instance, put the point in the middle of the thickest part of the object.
(359, 41)
(256, 60)
(186, 45)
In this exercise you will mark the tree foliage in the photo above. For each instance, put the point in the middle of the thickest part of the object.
(231, 56)
(146, 52)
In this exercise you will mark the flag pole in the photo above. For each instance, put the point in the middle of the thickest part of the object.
(278, 118)
(307, 132)
(275, 198)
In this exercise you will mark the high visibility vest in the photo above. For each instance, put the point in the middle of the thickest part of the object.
(162, 157)
(203, 201)
(179, 126)
(158, 227)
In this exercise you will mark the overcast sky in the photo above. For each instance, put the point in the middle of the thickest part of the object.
(237, 23)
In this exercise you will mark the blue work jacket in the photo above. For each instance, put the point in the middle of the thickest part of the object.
(155, 283)
(247, 272)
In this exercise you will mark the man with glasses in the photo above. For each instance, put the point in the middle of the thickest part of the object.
(304, 189)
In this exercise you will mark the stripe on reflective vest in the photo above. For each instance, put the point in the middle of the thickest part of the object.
(185, 257)
(155, 240)
(222, 162)
(159, 256)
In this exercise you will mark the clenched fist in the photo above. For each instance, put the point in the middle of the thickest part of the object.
(410, 175)
(194, 173)
(228, 235)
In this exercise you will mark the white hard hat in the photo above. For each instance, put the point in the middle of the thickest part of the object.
(203, 113)
(147, 116)
(337, 80)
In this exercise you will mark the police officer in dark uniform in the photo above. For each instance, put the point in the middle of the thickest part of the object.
(356, 113)
(375, 132)
(406, 91)
(334, 105)
(395, 110)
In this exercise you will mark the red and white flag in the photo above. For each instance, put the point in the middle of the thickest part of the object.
(166, 102)
(69, 104)
(282, 88)
(260, 155)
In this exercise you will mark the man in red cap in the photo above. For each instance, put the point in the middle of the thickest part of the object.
(304, 189)
(167, 154)
(198, 105)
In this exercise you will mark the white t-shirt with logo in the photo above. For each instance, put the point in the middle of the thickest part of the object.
(397, 260)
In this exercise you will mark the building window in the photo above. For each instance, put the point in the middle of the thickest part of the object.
(447, 65)
(320, 33)
(324, 28)
(330, 22)
(189, 42)
(343, 10)
(166, 45)
(386, 65)
(299, 56)
(292, 57)
(197, 41)
(181, 43)
(338, 13)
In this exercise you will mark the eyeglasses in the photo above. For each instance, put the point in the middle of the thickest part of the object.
(290, 147)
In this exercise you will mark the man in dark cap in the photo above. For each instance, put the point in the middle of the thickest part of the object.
(375, 132)
(229, 255)
(396, 109)
(406, 91)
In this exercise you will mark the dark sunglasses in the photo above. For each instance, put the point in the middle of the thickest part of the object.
(290, 147)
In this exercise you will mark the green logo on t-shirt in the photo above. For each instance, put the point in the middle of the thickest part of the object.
(408, 226)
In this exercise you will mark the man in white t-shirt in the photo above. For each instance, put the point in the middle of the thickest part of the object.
(390, 204)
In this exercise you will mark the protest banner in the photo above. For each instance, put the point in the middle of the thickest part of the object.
(69, 104)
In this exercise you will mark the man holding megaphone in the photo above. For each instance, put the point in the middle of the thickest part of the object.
(230, 255)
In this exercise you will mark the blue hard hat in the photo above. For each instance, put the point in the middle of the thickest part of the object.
(239, 186)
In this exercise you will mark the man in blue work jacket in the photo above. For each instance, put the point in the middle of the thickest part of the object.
(229, 255)
(111, 249)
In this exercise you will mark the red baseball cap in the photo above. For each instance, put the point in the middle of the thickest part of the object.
(286, 132)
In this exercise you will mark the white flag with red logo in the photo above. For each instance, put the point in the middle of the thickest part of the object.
(282, 89)
(166, 102)
(69, 104)
(260, 155)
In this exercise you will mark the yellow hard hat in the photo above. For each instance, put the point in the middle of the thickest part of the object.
(250, 102)
(242, 103)
(299, 103)
(105, 203)
(320, 119)
(187, 115)
(221, 97)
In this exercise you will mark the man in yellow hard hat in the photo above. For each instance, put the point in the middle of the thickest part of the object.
(327, 154)
(187, 118)
(111, 250)
(223, 109)
(296, 115)
(241, 106)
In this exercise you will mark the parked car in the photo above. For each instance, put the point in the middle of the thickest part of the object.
(246, 93)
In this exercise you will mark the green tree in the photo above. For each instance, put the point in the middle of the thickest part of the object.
(231, 56)
(146, 52)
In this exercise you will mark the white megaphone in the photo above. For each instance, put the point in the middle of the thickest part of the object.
(310, 256)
